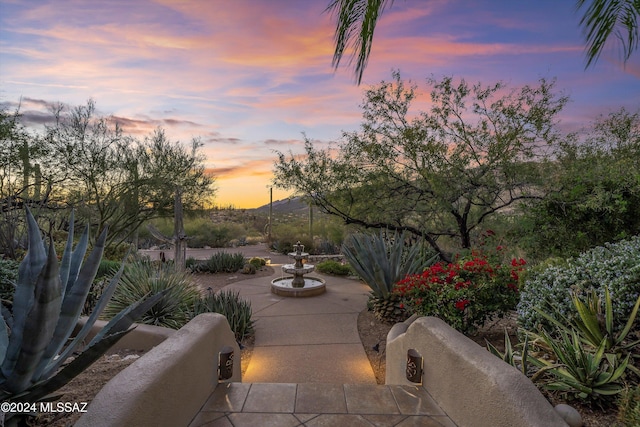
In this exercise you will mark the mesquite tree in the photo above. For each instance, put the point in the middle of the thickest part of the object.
(436, 174)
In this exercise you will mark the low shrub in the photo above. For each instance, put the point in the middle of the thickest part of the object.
(8, 278)
(143, 278)
(248, 269)
(228, 303)
(334, 267)
(191, 263)
(222, 262)
(465, 293)
(613, 266)
(258, 262)
(107, 268)
(629, 407)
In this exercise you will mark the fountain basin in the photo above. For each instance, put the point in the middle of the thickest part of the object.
(283, 287)
(292, 269)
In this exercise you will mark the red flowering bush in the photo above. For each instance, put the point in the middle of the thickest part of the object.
(464, 293)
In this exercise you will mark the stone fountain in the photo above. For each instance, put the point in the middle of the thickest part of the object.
(298, 285)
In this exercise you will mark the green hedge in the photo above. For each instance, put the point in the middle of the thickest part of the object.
(615, 266)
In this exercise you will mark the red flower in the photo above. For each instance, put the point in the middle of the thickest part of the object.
(462, 304)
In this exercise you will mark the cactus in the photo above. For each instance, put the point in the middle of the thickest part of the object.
(48, 300)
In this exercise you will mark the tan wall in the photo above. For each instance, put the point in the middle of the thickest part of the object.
(142, 338)
(474, 387)
(168, 385)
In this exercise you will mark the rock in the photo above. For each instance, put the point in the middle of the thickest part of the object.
(569, 415)
(131, 357)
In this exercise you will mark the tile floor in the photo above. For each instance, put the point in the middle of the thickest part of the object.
(319, 404)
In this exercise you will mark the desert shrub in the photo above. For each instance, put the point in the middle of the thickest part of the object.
(629, 407)
(248, 269)
(464, 293)
(222, 262)
(258, 262)
(228, 303)
(116, 252)
(143, 278)
(107, 268)
(8, 277)
(216, 235)
(191, 263)
(325, 247)
(334, 267)
(614, 266)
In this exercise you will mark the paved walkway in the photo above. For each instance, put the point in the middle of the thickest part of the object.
(307, 340)
(308, 366)
(317, 404)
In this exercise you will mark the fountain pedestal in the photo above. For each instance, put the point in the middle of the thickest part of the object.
(298, 285)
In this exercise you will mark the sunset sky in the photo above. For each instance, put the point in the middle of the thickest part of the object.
(251, 76)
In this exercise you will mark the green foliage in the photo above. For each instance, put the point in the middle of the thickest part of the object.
(115, 252)
(334, 267)
(593, 191)
(464, 294)
(107, 268)
(258, 262)
(222, 262)
(8, 278)
(615, 267)
(228, 303)
(629, 407)
(577, 371)
(35, 340)
(519, 360)
(191, 263)
(436, 173)
(144, 278)
(382, 261)
(595, 325)
(201, 231)
(248, 269)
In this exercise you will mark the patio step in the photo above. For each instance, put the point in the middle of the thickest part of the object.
(319, 404)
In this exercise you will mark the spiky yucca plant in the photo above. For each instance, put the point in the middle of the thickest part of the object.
(142, 278)
(49, 296)
(381, 262)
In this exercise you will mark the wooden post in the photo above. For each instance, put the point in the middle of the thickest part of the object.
(179, 237)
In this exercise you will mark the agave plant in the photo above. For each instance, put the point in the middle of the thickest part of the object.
(381, 265)
(49, 297)
(578, 371)
(594, 326)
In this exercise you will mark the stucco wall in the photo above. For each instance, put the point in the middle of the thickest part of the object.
(168, 385)
(142, 338)
(474, 387)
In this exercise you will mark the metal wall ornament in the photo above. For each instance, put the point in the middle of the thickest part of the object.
(225, 363)
(414, 366)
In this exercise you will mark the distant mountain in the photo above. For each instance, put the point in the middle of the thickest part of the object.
(293, 205)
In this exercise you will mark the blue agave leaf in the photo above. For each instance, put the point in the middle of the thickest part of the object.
(65, 263)
(50, 365)
(79, 364)
(39, 325)
(73, 302)
(76, 259)
(23, 297)
(126, 317)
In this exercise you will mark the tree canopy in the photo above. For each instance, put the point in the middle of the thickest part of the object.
(86, 162)
(437, 174)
